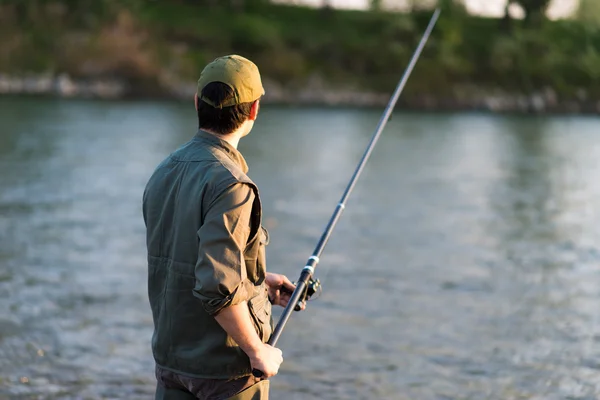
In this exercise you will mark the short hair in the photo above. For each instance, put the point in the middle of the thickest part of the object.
(224, 120)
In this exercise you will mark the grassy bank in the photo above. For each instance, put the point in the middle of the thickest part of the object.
(153, 45)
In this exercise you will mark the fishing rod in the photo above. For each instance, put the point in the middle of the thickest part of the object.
(306, 285)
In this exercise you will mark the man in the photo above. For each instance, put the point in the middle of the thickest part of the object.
(209, 290)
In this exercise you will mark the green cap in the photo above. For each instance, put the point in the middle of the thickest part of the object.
(237, 72)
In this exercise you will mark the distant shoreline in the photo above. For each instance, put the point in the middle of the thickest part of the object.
(314, 93)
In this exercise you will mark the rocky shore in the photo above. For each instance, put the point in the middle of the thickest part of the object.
(63, 86)
(313, 92)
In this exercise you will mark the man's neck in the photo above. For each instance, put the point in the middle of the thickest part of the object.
(233, 138)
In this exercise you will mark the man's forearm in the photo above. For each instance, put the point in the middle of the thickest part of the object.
(237, 322)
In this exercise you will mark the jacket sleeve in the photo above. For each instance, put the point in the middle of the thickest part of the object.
(221, 277)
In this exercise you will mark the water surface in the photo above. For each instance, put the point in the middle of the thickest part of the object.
(466, 265)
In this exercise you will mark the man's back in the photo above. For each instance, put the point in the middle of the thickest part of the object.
(190, 273)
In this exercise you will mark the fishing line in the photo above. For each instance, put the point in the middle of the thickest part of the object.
(306, 284)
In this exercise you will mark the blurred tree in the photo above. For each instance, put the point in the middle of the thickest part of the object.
(376, 5)
(505, 22)
(454, 6)
(535, 10)
(204, 3)
(589, 11)
(235, 5)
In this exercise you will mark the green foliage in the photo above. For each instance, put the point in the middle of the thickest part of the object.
(589, 12)
(589, 62)
(375, 5)
(534, 9)
(452, 6)
(290, 44)
(254, 34)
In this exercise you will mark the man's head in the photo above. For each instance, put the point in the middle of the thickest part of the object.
(228, 95)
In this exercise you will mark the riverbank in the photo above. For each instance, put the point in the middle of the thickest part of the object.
(314, 93)
(306, 56)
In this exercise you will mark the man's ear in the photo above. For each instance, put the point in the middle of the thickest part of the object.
(196, 101)
(254, 110)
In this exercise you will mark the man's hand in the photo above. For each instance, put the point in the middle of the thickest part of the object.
(280, 289)
(266, 359)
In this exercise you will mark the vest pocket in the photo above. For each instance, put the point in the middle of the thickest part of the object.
(255, 258)
(260, 310)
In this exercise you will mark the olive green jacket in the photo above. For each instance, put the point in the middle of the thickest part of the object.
(206, 251)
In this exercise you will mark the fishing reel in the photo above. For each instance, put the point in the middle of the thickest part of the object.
(312, 287)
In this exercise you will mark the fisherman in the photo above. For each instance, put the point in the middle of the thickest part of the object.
(209, 290)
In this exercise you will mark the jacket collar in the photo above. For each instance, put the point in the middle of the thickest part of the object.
(230, 151)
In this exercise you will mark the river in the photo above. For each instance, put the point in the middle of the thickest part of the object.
(466, 264)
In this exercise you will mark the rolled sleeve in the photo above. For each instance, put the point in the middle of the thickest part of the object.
(221, 277)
